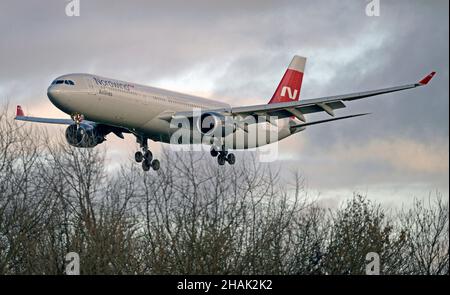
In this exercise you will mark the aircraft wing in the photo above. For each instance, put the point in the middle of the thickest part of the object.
(44, 120)
(302, 107)
(118, 131)
(21, 117)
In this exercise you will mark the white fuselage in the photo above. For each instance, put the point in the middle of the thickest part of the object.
(142, 109)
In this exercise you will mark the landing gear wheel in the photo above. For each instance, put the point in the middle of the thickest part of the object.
(213, 152)
(148, 156)
(146, 165)
(138, 156)
(231, 159)
(221, 160)
(155, 165)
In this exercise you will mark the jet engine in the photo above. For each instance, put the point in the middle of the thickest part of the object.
(215, 124)
(84, 135)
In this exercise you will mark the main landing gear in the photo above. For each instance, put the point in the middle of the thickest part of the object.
(146, 157)
(223, 156)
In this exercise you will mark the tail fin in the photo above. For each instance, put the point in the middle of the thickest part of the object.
(291, 84)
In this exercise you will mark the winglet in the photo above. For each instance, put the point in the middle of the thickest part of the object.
(427, 79)
(19, 112)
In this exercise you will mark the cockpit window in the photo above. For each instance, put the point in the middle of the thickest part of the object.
(67, 82)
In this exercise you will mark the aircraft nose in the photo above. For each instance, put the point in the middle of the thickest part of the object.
(55, 94)
(53, 91)
(59, 98)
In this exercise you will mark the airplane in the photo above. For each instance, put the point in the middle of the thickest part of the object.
(98, 106)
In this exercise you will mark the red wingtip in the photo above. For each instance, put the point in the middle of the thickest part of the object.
(19, 112)
(427, 79)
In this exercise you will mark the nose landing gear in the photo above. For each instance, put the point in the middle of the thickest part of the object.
(146, 157)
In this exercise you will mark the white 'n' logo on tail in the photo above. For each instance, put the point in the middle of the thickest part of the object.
(291, 95)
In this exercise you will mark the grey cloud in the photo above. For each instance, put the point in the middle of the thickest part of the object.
(246, 46)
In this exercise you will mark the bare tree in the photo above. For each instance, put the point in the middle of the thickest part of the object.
(192, 217)
(202, 219)
(359, 228)
(428, 241)
(22, 212)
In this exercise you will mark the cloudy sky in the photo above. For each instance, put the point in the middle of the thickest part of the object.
(237, 51)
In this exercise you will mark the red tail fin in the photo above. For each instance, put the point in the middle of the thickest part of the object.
(291, 84)
(19, 112)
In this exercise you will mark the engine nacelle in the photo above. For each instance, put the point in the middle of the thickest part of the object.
(215, 124)
(84, 135)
